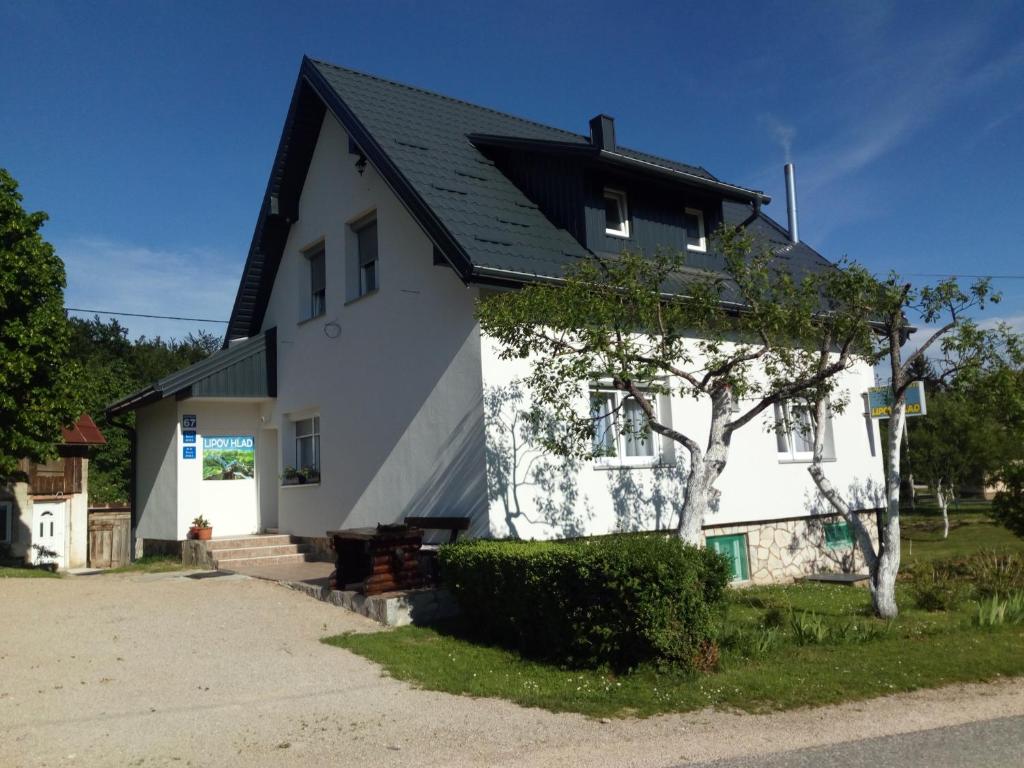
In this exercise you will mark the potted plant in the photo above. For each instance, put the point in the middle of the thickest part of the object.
(310, 475)
(201, 529)
(292, 476)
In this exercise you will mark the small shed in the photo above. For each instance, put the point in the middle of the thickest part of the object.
(44, 519)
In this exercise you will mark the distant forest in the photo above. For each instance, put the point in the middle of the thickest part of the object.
(112, 366)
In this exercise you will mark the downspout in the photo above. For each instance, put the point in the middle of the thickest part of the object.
(754, 214)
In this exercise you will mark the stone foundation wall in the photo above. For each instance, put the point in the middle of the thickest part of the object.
(785, 550)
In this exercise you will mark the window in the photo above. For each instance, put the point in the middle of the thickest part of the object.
(794, 433)
(622, 435)
(695, 240)
(616, 215)
(735, 550)
(838, 535)
(366, 248)
(307, 445)
(317, 259)
(6, 513)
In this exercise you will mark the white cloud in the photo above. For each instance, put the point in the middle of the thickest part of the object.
(108, 275)
(1015, 322)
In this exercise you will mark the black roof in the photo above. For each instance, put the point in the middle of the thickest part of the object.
(422, 143)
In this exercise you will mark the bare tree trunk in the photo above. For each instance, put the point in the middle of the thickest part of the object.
(884, 594)
(705, 468)
(943, 499)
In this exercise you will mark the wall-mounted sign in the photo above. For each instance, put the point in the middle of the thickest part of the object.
(189, 421)
(229, 457)
(880, 401)
(188, 452)
(188, 436)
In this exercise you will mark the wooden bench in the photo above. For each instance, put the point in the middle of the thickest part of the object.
(451, 524)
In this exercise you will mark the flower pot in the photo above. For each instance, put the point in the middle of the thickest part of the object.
(203, 534)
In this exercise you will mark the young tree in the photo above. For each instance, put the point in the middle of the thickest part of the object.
(962, 344)
(36, 393)
(650, 326)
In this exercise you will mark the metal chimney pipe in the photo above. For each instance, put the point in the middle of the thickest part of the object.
(794, 235)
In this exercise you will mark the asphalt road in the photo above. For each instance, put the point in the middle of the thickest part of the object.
(984, 744)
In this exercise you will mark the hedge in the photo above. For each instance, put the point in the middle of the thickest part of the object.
(613, 601)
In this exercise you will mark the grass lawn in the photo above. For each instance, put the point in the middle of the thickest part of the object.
(150, 564)
(7, 572)
(918, 650)
(765, 664)
(970, 530)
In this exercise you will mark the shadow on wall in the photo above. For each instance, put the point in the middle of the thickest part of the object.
(860, 495)
(456, 487)
(531, 485)
(647, 501)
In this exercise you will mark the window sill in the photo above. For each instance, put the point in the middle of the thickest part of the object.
(311, 318)
(697, 248)
(806, 461)
(374, 292)
(619, 235)
(301, 485)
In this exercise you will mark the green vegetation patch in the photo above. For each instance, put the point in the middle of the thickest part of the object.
(150, 564)
(18, 572)
(613, 601)
(854, 657)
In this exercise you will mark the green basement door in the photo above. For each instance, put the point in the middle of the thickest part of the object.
(735, 549)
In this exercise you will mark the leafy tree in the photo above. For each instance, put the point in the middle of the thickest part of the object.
(963, 346)
(1008, 505)
(113, 366)
(37, 392)
(649, 326)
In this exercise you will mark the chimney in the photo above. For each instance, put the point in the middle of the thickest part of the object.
(794, 235)
(602, 132)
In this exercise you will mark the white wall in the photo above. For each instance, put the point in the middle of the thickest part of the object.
(570, 500)
(398, 390)
(229, 505)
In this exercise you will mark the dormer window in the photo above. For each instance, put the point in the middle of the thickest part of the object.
(695, 239)
(616, 214)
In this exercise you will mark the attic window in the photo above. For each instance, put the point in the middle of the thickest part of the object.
(616, 214)
(695, 239)
(317, 281)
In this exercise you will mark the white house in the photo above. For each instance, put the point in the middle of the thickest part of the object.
(353, 354)
(45, 517)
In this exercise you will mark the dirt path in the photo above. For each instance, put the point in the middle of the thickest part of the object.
(166, 670)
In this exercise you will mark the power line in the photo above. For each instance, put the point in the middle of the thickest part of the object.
(979, 277)
(137, 314)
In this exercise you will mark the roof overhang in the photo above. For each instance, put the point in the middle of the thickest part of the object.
(245, 370)
(594, 154)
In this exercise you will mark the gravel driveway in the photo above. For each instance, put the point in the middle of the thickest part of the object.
(166, 670)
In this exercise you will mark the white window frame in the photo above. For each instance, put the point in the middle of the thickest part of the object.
(620, 459)
(5, 530)
(314, 418)
(356, 270)
(702, 246)
(786, 436)
(622, 202)
(312, 310)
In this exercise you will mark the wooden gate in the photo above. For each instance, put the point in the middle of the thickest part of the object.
(110, 533)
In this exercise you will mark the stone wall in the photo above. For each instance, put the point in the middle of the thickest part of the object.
(785, 550)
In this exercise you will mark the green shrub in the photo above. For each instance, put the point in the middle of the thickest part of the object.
(995, 611)
(609, 601)
(994, 573)
(754, 643)
(937, 587)
(1008, 504)
(808, 628)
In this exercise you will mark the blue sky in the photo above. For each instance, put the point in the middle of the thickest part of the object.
(147, 129)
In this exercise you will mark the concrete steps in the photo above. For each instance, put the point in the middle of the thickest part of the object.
(241, 553)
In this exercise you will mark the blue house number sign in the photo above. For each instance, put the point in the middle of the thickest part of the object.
(188, 452)
(188, 436)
